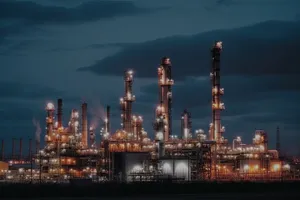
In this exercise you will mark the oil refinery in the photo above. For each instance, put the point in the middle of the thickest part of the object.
(129, 154)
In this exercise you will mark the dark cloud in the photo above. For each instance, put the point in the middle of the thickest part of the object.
(86, 11)
(9, 28)
(16, 90)
(262, 49)
(251, 102)
(197, 92)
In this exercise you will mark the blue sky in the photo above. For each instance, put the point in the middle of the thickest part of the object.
(78, 50)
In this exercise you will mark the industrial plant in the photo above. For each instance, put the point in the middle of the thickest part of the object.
(130, 155)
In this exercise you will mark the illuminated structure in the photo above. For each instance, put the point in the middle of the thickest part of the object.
(186, 125)
(217, 91)
(163, 124)
(84, 139)
(126, 103)
(129, 154)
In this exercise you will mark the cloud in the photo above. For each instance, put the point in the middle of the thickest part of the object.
(198, 92)
(20, 103)
(23, 91)
(86, 11)
(261, 49)
(261, 102)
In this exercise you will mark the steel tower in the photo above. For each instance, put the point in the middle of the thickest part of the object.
(126, 102)
(186, 125)
(217, 92)
(164, 110)
(49, 122)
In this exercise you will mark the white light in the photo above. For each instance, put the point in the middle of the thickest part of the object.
(137, 168)
(167, 169)
(50, 106)
(276, 167)
(286, 167)
(160, 135)
(181, 170)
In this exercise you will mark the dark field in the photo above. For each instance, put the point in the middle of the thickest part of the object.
(152, 191)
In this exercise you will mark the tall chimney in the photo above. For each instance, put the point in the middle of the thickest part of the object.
(13, 149)
(59, 112)
(84, 139)
(20, 149)
(2, 150)
(108, 118)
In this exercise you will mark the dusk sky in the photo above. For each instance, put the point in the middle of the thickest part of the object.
(78, 50)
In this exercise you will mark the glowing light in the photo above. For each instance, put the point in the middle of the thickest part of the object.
(219, 44)
(286, 167)
(167, 169)
(181, 170)
(50, 106)
(160, 135)
(246, 167)
(137, 168)
(276, 167)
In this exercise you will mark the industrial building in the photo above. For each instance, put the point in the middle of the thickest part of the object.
(129, 154)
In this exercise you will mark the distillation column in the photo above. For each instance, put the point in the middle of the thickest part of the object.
(105, 131)
(107, 120)
(126, 103)
(76, 136)
(217, 92)
(186, 125)
(164, 110)
(59, 113)
(92, 137)
(84, 137)
(49, 123)
(137, 123)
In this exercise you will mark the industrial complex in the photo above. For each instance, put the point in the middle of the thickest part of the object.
(130, 155)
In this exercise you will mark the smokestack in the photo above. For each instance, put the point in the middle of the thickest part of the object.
(108, 118)
(13, 149)
(2, 150)
(20, 149)
(59, 112)
(84, 139)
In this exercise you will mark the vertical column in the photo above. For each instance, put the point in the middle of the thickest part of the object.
(217, 91)
(126, 102)
(84, 139)
(59, 113)
(164, 110)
